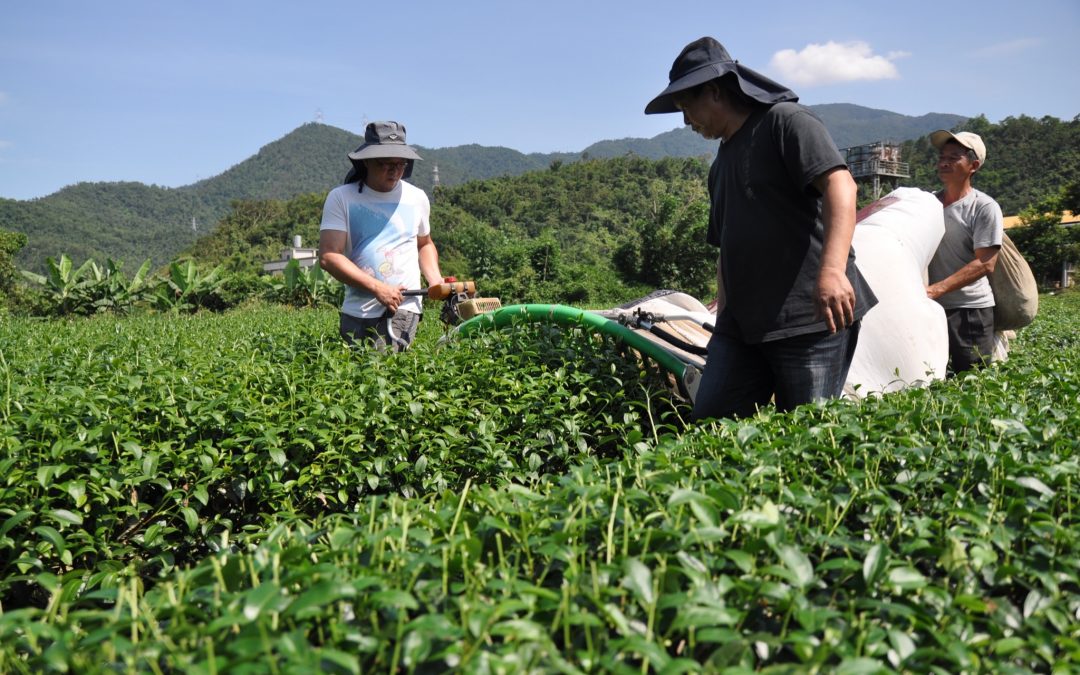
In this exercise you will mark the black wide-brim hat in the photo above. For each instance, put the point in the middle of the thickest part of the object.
(381, 140)
(384, 139)
(706, 59)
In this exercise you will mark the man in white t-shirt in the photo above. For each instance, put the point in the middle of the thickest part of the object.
(375, 238)
(968, 252)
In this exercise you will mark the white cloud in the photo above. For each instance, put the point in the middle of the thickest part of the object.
(3, 97)
(834, 62)
(1009, 48)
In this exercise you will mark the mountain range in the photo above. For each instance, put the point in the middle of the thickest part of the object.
(129, 221)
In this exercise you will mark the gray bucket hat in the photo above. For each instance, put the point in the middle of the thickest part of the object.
(381, 139)
(384, 139)
(706, 59)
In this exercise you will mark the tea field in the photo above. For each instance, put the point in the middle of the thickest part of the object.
(242, 493)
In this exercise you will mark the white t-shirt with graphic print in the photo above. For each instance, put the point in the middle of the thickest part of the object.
(381, 230)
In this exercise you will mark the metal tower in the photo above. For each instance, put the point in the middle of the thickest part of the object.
(875, 163)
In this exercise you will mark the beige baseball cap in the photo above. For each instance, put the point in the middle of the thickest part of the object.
(965, 138)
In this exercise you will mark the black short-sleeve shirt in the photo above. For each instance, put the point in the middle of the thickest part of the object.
(766, 219)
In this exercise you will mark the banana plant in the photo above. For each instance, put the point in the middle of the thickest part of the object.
(91, 288)
(63, 284)
(305, 287)
(110, 289)
(186, 289)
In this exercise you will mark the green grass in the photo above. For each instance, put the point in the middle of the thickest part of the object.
(243, 493)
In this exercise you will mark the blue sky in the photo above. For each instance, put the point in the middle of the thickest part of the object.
(170, 93)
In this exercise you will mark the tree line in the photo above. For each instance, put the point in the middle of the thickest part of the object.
(598, 232)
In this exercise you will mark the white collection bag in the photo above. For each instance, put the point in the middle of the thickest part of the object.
(904, 339)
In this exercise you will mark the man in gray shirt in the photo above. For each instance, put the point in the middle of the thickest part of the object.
(968, 252)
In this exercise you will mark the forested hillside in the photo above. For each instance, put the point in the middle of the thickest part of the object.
(124, 221)
(848, 124)
(852, 125)
(594, 232)
(131, 221)
(1027, 159)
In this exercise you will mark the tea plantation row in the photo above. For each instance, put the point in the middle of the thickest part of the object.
(242, 493)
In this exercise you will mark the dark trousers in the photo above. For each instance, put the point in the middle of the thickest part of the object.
(397, 330)
(971, 337)
(739, 378)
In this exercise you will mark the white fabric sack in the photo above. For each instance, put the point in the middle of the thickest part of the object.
(904, 339)
(1001, 345)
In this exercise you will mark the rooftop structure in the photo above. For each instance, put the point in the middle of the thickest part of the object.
(1067, 218)
(307, 257)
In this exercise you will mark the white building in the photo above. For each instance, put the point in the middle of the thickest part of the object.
(307, 257)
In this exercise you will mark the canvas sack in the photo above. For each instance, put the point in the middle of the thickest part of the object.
(1015, 292)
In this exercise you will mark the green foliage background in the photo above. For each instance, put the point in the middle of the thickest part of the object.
(1027, 159)
(594, 232)
(243, 493)
(10, 244)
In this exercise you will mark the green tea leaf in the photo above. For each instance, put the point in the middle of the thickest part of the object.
(312, 601)
(638, 578)
(902, 644)
(802, 570)
(394, 598)
(1035, 484)
(331, 659)
(50, 535)
(65, 516)
(746, 433)
(1008, 645)
(743, 560)
(861, 666)
(191, 518)
(264, 597)
(13, 521)
(767, 516)
(877, 558)
(698, 616)
(520, 630)
(1034, 602)
(907, 578)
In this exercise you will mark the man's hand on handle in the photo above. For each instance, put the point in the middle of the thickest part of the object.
(389, 296)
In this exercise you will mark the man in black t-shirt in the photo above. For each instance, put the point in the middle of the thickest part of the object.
(789, 298)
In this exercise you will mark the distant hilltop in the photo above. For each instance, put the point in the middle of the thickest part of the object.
(132, 221)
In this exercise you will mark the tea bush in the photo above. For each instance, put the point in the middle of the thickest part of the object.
(137, 441)
(241, 492)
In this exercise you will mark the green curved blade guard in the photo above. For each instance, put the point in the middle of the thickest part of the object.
(685, 375)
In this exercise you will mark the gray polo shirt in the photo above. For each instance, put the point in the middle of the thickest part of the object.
(973, 222)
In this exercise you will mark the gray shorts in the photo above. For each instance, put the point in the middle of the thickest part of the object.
(398, 330)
